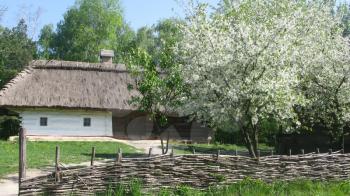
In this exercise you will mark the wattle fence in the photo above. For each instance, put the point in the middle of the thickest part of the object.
(195, 170)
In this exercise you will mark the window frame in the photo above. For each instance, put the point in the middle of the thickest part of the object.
(87, 123)
(43, 121)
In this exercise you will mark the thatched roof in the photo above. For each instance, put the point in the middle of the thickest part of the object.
(70, 85)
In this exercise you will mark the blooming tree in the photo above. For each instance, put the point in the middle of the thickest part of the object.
(247, 60)
(327, 84)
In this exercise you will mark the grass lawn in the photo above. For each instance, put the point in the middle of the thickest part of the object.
(246, 188)
(42, 154)
(181, 148)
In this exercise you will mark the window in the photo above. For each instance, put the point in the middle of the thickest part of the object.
(87, 122)
(43, 121)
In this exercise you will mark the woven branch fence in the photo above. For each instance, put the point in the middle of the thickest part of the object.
(195, 170)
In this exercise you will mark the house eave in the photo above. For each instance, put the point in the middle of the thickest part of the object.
(22, 107)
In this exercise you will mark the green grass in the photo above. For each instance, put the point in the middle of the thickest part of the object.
(42, 154)
(212, 148)
(244, 188)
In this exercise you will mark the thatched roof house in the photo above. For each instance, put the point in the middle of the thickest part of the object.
(71, 85)
(83, 99)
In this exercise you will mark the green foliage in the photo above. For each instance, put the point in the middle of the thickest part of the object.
(230, 134)
(87, 27)
(16, 51)
(249, 187)
(218, 177)
(155, 64)
(159, 40)
(45, 42)
(145, 39)
(133, 188)
(9, 126)
(227, 136)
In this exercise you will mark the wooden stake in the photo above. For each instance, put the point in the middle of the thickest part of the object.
(22, 156)
(172, 151)
(236, 152)
(120, 155)
(150, 152)
(57, 160)
(317, 151)
(92, 156)
(330, 151)
(343, 142)
(193, 150)
(290, 152)
(218, 155)
(302, 151)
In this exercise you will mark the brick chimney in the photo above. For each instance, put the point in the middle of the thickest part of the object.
(106, 56)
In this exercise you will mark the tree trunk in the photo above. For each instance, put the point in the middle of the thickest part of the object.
(162, 143)
(248, 142)
(160, 130)
(255, 139)
(165, 148)
(167, 143)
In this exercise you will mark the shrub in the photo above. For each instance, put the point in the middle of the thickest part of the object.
(9, 125)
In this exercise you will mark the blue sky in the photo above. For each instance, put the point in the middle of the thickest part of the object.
(137, 12)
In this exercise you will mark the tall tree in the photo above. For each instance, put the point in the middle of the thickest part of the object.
(16, 51)
(327, 89)
(45, 42)
(145, 39)
(88, 27)
(245, 63)
(158, 80)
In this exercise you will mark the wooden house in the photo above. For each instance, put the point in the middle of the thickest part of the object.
(65, 98)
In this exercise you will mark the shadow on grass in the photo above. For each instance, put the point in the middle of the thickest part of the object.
(214, 150)
(114, 155)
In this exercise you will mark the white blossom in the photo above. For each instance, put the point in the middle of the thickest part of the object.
(247, 63)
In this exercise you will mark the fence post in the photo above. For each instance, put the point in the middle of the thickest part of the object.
(302, 151)
(92, 156)
(236, 152)
(57, 160)
(150, 152)
(217, 155)
(172, 151)
(193, 150)
(343, 142)
(22, 156)
(290, 152)
(317, 150)
(119, 158)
